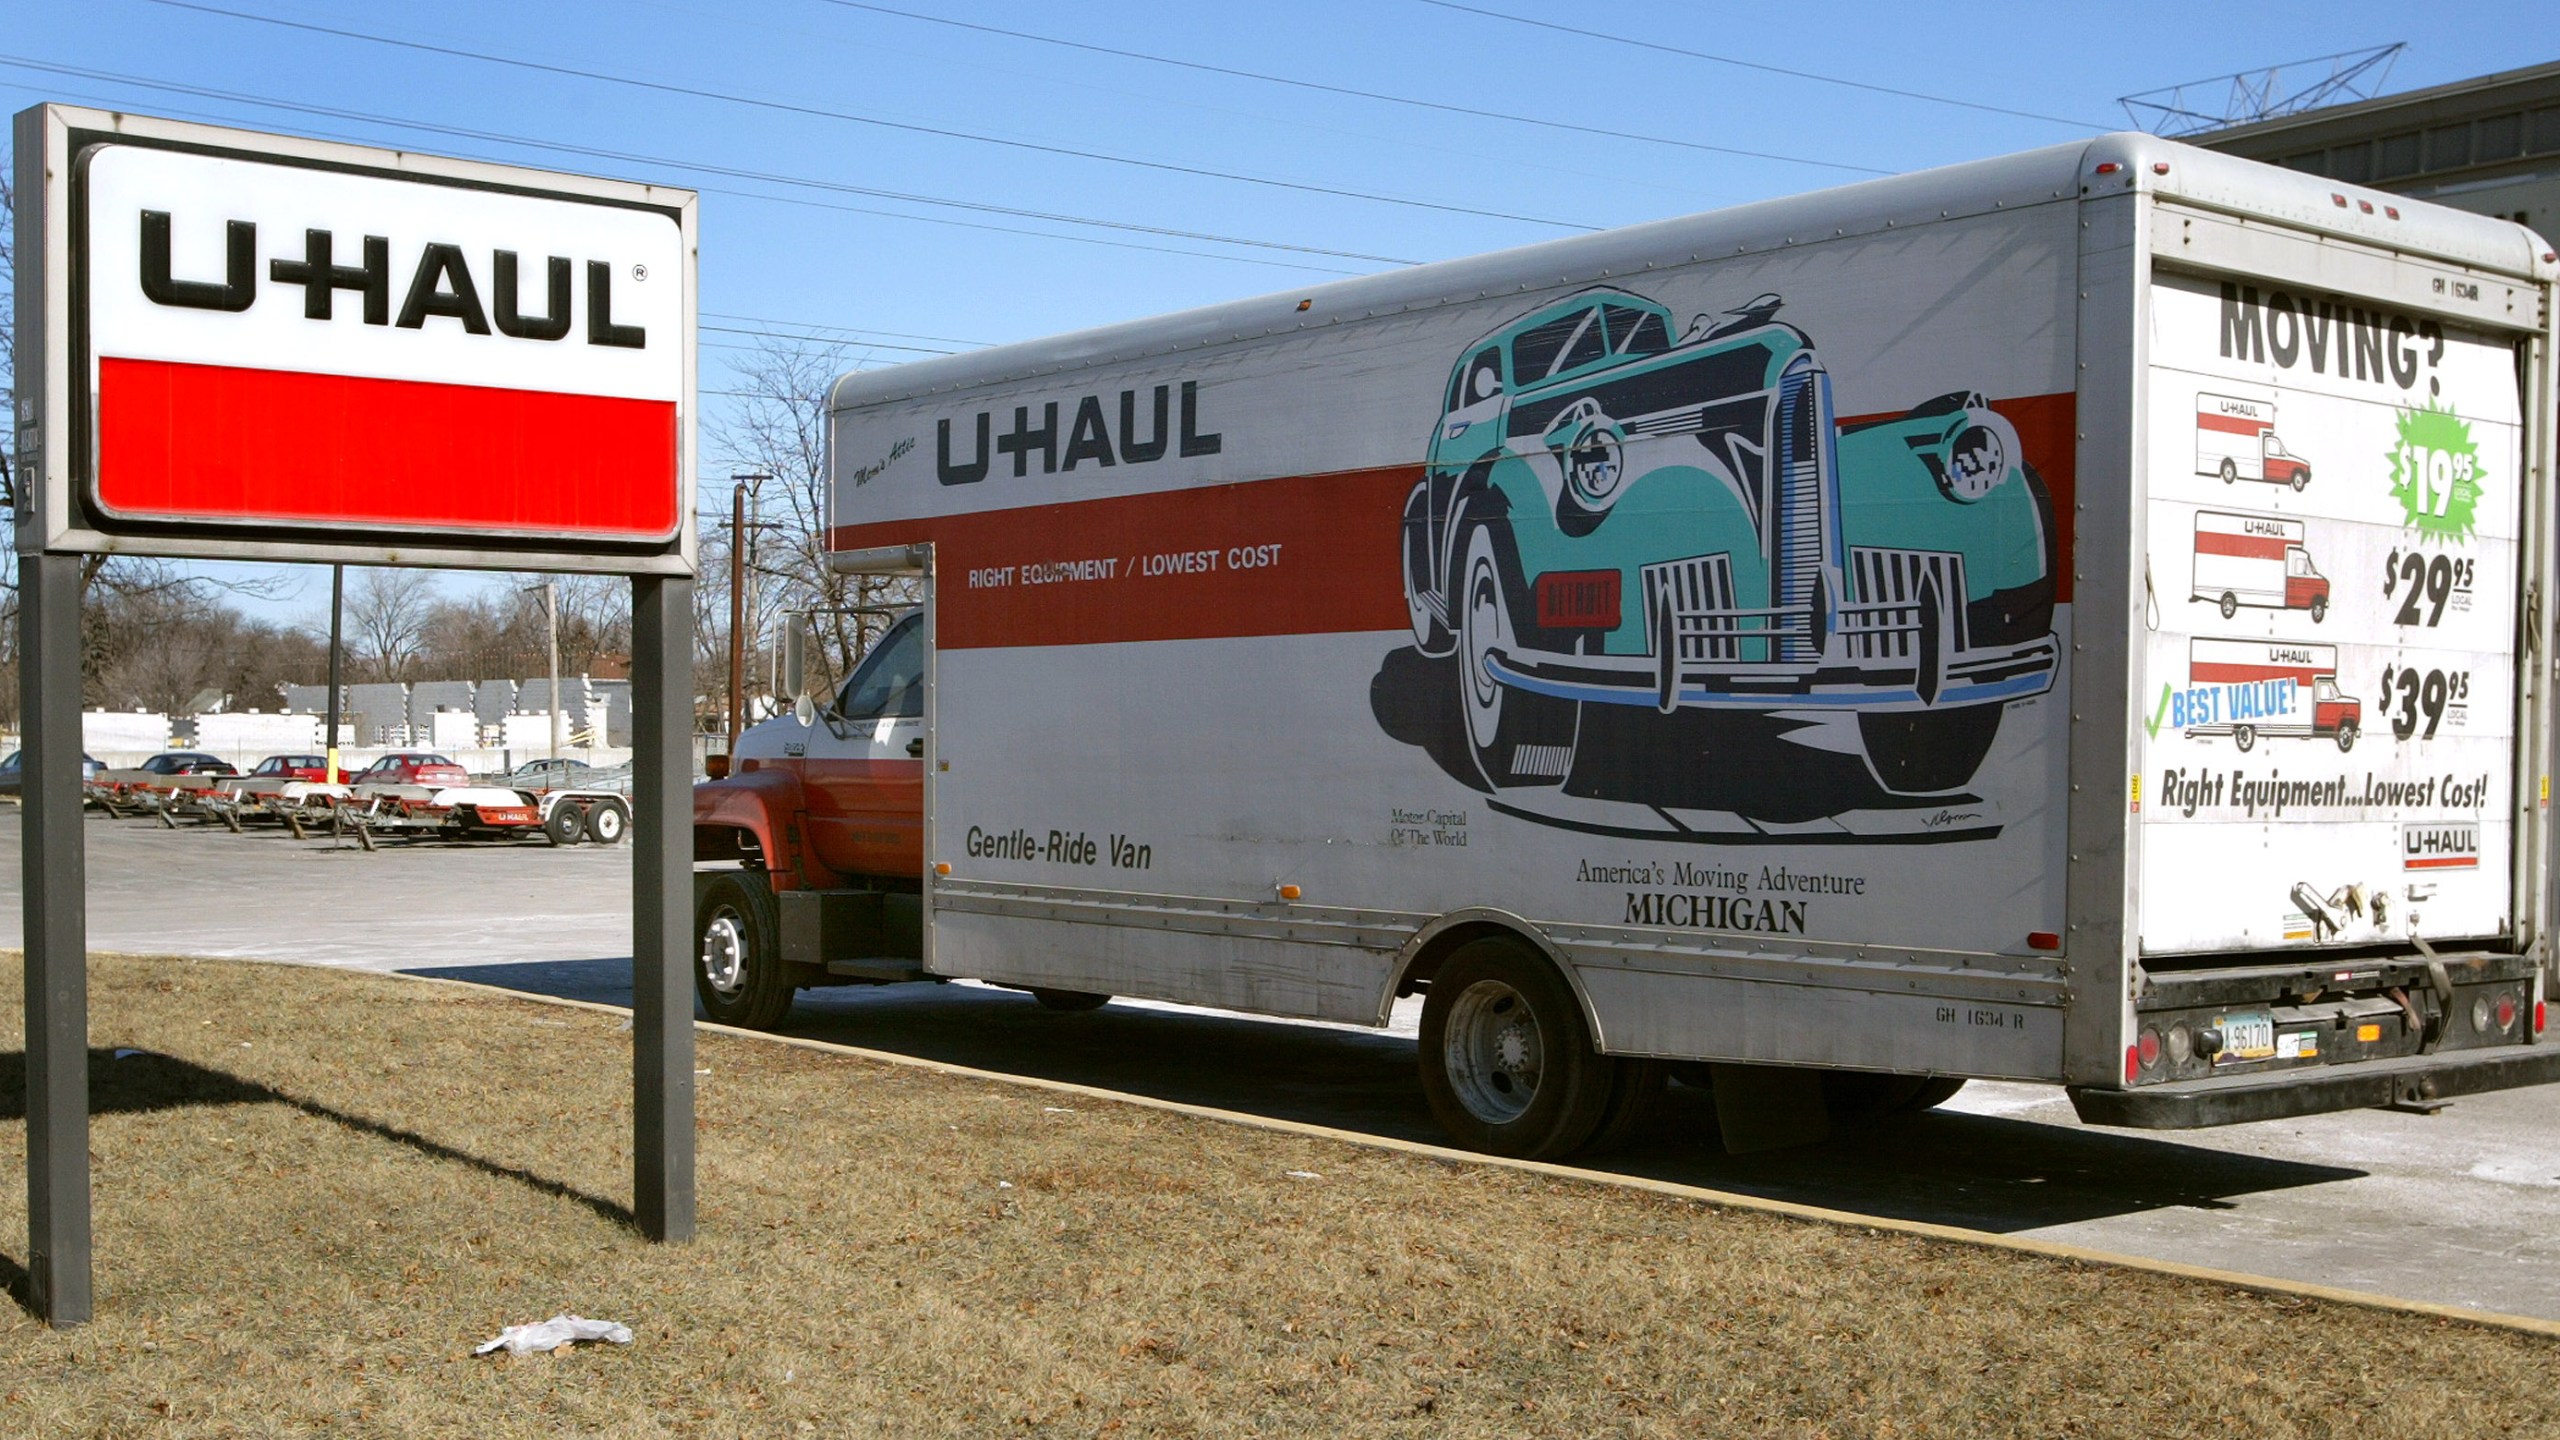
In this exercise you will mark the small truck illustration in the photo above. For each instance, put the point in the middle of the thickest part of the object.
(2256, 560)
(2236, 439)
(2249, 688)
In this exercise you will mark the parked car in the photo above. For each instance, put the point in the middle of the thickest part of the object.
(412, 767)
(9, 774)
(294, 767)
(188, 762)
(552, 773)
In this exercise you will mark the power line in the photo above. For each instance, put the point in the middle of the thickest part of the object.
(701, 167)
(1745, 64)
(813, 325)
(793, 108)
(1323, 88)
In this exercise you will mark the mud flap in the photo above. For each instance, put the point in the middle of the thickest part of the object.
(1769, 1107)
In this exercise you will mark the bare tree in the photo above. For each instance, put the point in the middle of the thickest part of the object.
(388, 610)
(780, 430)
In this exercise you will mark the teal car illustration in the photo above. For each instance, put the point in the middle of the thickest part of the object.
(1657, 543)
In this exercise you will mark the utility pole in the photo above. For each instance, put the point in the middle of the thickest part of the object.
(551, 611)
(337, 604)
(738, 604)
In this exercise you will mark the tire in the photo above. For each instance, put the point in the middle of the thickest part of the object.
(2346, 737)
(1855, 1096)
(2230, 604)
(1068, 1002)
(2301, 478)
(1431, 634)
(608, 822)
(2230, 472)
(738, 973)
(1633, 1089)
(1507, 1065)
(564, 825)
(2319, 608)
(1504, 726)
(2244, 736)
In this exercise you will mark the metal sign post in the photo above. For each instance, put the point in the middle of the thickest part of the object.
(530, 408)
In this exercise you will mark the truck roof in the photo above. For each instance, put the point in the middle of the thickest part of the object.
(2034, 177)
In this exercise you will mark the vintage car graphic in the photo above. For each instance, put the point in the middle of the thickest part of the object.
(1667, 575)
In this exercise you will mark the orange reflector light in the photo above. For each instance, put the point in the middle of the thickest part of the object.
(2043, 940)
(1288, 892)
(2367, 1034)
(941, 867)
(1304, 305)
(716, 766)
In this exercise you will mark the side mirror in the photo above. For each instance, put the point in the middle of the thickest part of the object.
(795, 668)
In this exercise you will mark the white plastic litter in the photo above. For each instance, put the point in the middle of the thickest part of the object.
(545, 1336)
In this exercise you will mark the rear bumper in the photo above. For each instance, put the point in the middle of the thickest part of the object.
(2229, 1100)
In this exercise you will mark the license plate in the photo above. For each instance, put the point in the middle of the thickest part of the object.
(2246, 1037)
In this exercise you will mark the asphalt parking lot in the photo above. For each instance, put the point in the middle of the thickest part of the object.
(2462, 1207)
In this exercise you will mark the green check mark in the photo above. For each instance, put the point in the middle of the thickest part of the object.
(2153, 724)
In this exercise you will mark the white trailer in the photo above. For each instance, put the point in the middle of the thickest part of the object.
(1729, 640)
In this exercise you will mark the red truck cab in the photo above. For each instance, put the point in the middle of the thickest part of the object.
(824, 822)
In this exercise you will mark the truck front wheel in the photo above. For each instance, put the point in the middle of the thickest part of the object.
(738, 973)
(1506, 1061)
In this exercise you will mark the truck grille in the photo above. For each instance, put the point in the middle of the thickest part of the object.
(1799, 544)
(1882, 620)
(1704, 624)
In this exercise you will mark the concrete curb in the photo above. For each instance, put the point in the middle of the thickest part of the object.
(1721, 1199)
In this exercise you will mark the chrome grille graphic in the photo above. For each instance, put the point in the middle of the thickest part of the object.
(1797, 548)
(1705, 626)
(1882, 620)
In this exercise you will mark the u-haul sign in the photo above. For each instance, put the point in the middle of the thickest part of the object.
(327, 344)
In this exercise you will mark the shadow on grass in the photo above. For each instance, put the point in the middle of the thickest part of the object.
(136, 1082)
(1982, 1172)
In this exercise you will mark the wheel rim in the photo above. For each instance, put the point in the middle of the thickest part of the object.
(1416, 574)
(607, 823)
(1487, 631)
(724, 952)
(1493, 1052)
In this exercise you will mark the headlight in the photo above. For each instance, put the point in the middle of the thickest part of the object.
(1977, 461)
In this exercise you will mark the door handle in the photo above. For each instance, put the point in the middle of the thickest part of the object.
(915, 748)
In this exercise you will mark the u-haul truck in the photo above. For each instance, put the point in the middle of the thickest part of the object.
(2257, 560)
(2236, 440)
(2249, 688)
(1731, 642)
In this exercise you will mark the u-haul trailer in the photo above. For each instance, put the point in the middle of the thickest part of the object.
(1733, 640)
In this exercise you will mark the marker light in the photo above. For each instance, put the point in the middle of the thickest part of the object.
(1289, 892)
(941, 867)
(2043, 940)
(2537, 1017)
(2108, 167)
(2132, 1064)
(2337, 199)
(2365, 205)
(2159, 167)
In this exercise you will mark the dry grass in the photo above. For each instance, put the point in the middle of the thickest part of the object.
(336, 1183)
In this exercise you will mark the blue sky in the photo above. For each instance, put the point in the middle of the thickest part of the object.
(826, 99)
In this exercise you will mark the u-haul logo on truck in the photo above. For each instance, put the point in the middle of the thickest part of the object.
(2445, 845)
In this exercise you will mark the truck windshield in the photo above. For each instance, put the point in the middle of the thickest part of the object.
(1636, 333)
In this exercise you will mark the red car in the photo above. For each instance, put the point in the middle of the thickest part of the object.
(294, 767)
(412, 767)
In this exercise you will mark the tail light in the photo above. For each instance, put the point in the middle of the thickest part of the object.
(2537, 1017)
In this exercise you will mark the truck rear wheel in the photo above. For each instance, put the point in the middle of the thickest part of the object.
(1507, 1064)
(564, 825)
(738, 973)
(607, 822)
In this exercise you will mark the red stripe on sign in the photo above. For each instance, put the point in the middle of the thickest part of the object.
(2446, 862)
(2206, 670)
(220, 443)
(2232, 424)
(2253, 547)
(1298, 555)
